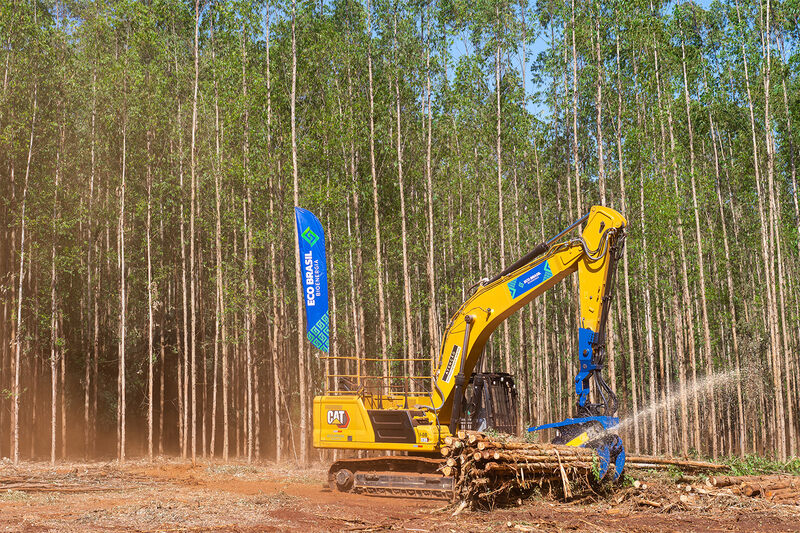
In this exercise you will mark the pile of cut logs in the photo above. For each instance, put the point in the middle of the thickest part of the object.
(775, 488)
(489, 472)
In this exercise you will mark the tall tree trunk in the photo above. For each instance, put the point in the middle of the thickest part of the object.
(686, 304)
(331, 384)
(161, 340)
(96, 340)
(666, 391)
(713, 434)
(433, 326)
(522, 358)
(679, 331)
(218, 284)
(6, 268)
(526, 409)
(192, 210)
(409, 336)
(731, 300)
(361, 350)
(648, 311)
(201, 342)
(63, 400)
(183, 362)
(55, 344)
(375, 204)
(359, 370)
(149, 307)
(545, 412)
(763, 227)
(123, 310)
(91, 295)
(575, 159)
(778, 352)
(249, 281)
(301, 369)
(601, 165)
(248, 332)
(793, 165)
(18, 332)
(499, 153)
(791, 399)
(624, 205)
(276, 227)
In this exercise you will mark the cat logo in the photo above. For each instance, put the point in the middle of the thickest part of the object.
(338, 418)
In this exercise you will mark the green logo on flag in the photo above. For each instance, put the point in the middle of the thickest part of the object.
(319, 334)
(310, 237)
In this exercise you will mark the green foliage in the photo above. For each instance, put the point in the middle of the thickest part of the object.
(596, 468)
(756, 465)
(674, 472)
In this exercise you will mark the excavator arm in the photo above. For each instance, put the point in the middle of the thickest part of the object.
(593, 255)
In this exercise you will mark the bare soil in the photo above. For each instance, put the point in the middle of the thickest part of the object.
(171, 495)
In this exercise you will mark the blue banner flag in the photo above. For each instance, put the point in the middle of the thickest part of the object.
(314, 273)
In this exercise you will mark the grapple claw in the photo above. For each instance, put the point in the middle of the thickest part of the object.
(611, 453)
(592, 432)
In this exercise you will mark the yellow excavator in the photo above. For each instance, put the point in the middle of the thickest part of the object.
(413, 426)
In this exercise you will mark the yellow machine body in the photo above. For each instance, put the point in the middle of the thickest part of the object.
(345, 422)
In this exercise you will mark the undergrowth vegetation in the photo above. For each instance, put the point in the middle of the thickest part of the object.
(756, 465)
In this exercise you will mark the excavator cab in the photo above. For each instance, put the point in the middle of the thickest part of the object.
(490, 403)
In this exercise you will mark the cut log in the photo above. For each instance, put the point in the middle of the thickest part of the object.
(644, 501)
(785, 493)
(751, 490)
(725, 481)
(793, 498)
(635, 460)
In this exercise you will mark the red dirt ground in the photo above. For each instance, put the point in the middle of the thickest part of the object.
(169, 495)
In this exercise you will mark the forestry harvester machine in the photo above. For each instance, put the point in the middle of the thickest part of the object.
(412, 426)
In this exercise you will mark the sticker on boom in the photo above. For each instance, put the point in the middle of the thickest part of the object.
(451, 363)
(338, 418)
(530, 279)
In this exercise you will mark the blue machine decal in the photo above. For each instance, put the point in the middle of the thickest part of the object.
(314, 273)
(530, 279)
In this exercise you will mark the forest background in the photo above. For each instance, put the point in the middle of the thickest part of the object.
(152, 152)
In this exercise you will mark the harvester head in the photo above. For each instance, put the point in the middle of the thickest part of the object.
(594, 432)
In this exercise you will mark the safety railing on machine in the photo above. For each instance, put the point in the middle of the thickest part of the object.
(378, 376)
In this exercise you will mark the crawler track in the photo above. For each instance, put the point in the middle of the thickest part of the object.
(391, 476)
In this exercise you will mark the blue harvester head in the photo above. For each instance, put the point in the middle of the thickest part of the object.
(593, 432)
